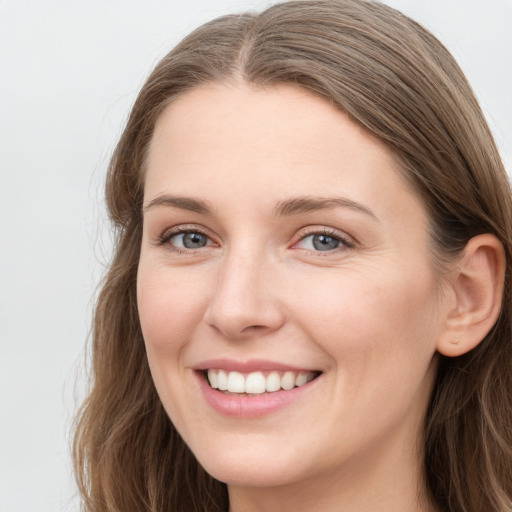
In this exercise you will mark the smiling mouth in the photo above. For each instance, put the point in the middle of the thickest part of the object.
(257, 383)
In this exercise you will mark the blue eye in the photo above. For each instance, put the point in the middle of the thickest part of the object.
(325, 242)
(322, 242)
(189, 240)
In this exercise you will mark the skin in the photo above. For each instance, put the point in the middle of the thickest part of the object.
(367, 314)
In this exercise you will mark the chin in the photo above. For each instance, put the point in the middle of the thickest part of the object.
(252, 468)
(255, 474)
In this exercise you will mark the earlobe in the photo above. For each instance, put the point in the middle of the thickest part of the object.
(477, 285)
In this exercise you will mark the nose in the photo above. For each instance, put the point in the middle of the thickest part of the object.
(245, 302)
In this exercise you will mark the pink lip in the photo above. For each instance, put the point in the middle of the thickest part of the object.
(245, 406)
(253, 365)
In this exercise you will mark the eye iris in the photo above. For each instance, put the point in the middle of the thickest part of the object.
(325, 242)
(194, 240)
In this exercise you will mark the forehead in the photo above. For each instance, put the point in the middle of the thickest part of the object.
(268, 141)
(271, 125)
(250, 109)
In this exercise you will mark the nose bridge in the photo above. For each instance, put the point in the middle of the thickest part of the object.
(244, 302)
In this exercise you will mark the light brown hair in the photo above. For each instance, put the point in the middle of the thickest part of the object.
(397, 81)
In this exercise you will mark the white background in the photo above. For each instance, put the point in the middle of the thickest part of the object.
(69, 72)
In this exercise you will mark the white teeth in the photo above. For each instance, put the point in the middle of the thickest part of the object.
(236, 382)
(255, 383)
(288, 380)
(222, 380)
(273, 382)
(213, 378)
(300, 380)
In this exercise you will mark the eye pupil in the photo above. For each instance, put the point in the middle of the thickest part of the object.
(194, 240)
(325, 242)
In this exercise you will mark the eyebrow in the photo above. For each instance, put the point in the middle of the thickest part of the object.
(306, 204)
(287, 207)
(184, 203)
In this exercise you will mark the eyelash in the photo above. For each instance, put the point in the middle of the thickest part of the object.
(181, 230)
(345, 242)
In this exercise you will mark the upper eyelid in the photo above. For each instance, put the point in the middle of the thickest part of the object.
(324, 230)
(186, 228)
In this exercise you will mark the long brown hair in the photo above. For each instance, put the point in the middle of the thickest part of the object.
(397, 81)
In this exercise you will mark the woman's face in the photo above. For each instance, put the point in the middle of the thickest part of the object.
(282, 249)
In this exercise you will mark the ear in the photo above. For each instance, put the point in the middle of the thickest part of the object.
(477, 287)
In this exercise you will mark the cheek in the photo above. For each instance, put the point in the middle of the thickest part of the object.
(372, 318)
(170, 306)
(379, 335)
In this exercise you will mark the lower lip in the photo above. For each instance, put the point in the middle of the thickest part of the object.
(250, 406)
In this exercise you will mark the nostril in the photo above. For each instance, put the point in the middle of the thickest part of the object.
(254, 329)
(237, 320)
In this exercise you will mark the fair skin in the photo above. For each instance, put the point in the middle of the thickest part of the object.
(279, 233)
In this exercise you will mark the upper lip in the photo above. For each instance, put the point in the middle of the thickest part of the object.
(252, 365)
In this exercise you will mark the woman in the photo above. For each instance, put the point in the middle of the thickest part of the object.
(308, 307)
